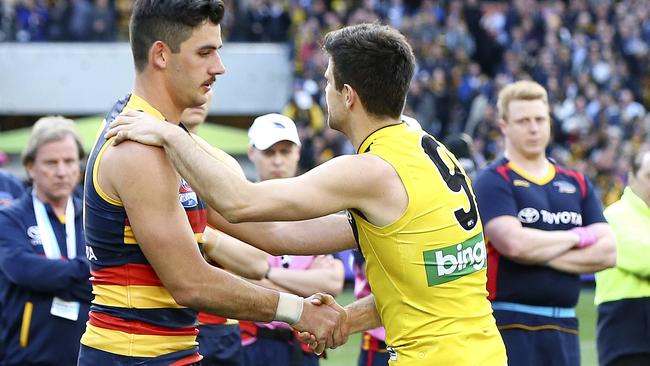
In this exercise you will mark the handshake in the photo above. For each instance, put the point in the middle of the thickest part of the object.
(323, 323)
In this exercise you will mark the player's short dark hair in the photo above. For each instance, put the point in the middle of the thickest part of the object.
(169, 21)
(376, 61)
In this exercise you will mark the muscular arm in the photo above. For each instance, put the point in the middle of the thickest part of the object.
(363, 315)
(323, 235)
(597, 257)
(147, 185)
(526, 245)
(365, 182)
(341, 183)
(325, 275)
(234, 255)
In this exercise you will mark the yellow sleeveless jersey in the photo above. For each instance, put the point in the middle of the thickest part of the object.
(427, 270)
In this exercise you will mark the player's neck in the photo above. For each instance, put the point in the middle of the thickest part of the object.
(363, 127)
(536, 166)
(156, 95)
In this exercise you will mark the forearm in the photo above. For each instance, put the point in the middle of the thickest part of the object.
(533, 246)
(323, 235)
(586, 260)
(212, 178)
(527, 245)
(363, 315)
(270, 284)
(38, 273)
(224, 294)
(308, 282)
(574, 261)
(234, 255)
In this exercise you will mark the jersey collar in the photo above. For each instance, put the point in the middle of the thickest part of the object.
(139, 104)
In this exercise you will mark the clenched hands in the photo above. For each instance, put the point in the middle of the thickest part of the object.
(331, 332)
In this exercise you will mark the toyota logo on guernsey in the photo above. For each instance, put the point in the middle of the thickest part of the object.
(530, 215)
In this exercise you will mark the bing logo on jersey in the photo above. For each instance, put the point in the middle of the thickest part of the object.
(455, 261)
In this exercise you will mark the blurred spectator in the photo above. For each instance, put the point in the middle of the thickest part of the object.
(268, 21)
(81, 20)
(57, 24)
(623, 292)
(461, 146)
(42, 253)
(10, 188)
(102, 21)
(31, 20)
(309, 119)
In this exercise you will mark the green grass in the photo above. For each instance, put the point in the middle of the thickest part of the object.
(347, 354)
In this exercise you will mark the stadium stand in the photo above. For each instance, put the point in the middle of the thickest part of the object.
(590, 55)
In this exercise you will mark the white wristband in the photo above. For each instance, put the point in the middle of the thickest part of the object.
(289, 308)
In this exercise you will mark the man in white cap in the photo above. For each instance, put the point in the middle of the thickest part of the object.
(274, 149)
(274, 146)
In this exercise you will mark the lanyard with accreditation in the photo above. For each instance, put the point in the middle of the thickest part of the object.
(60, 308)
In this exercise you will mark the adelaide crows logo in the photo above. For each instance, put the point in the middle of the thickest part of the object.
(187, 196)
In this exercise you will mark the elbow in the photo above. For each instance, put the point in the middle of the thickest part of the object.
(187, 298)
(336, 287)
(259, 272)
(186, 295)
(232, 216)
(512, 251)
(236, 214)
(239, 207)
(337, 280)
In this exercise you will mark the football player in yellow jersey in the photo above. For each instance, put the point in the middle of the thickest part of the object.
(411, 206)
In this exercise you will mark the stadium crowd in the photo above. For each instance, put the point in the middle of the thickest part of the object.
(592, 56)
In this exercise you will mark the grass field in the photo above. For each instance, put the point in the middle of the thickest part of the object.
(347, 354)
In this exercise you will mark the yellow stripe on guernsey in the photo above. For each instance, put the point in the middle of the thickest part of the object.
(427, 272)
(99, 189)
(548, 176)
(139, 297)
(137, 104)
(129, 238)
(24, 327)
(135, 345)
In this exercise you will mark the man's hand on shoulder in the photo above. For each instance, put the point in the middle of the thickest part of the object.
(141, 127)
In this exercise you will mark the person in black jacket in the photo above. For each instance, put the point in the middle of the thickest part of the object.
(42, 253)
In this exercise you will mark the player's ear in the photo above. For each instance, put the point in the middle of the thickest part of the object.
(350, 95)
(159, 55)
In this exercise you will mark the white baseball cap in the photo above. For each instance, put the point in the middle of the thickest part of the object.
(271, 128)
